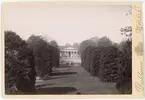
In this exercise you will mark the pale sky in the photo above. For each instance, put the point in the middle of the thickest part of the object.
(66, 24)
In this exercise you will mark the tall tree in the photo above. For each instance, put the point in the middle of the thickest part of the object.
(76, 45)
(56, 53)
(19, 65)
(67, 45)
(127, 30)
(104, 41)
(95, 39)
(84, 45)
(54, 44)
(43, 54)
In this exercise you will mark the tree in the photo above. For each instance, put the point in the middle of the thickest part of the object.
(127, 31)
(76, 45)
(46, 55)
(124, 81)
(95, 39)
(109, 63)
(104, 41)
(56, 53)
(43, 55)
(19, 65)
(67, 45)
(85, 44)
(54, 44)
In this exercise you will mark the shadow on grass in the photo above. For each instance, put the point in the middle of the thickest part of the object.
(43, 85)
(54, 77)
(64, 66)
(51, 78)
(62, 73)
(56, 90)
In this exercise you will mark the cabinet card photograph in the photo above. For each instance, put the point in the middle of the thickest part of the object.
(72, 49)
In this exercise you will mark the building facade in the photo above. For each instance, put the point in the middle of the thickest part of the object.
(70, 54)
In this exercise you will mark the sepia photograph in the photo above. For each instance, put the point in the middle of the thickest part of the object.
(67, 49)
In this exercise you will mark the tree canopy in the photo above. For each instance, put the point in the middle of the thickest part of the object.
(76, 45)
(54, 43)
(19, 65)
(67, 45)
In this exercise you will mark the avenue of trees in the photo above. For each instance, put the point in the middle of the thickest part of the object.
(24, 60)
(109, 61)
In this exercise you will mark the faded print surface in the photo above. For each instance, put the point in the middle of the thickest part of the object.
(67, 23)
(72, 49)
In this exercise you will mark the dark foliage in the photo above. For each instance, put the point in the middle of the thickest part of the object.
(124, 81)
(56, 55)
(46, 55)
(110, 62)
(19, 65)
(85, 44)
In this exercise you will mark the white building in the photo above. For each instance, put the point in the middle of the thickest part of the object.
(70, 54)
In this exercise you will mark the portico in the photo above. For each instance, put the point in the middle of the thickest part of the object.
(69, 54)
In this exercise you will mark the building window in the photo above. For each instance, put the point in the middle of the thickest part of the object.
(69, 53)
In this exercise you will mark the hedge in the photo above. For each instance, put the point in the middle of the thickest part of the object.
(110, 62)
(124, 81)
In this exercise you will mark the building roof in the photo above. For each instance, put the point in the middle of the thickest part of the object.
(67, 48)
(70, 48)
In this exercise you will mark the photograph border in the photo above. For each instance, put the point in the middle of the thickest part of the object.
(137, 60)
